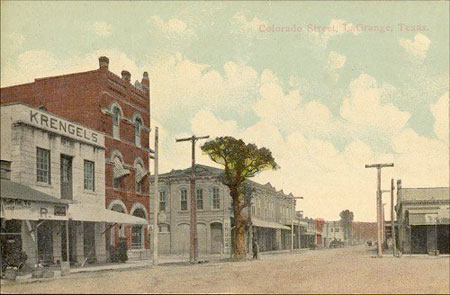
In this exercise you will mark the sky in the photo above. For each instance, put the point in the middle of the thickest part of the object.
(327, 86)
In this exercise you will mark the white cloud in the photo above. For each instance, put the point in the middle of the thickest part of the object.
(338, 28)
(250, 27)
(417, 48)
(41, 63)
(365, 111)
(102, 29)
(336, 60)
(173, 28)
(440, 112)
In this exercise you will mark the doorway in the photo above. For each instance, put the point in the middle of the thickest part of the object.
(216, 238)
(45, 242)
(66, 177)
(89, 241)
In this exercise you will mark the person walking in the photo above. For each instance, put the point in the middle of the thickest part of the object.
(255, 248)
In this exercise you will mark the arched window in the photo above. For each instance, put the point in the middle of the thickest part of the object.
(119, 172)
(137, 232)
(137, 131)
(183, 199)
(116, 114)
(140, 173)
(162, 200)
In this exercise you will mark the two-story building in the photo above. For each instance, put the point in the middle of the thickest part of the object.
(53, 186)
(271, 211)
(333, 230)
(113, 106)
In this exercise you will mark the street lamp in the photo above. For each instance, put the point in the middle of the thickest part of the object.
(292, 221)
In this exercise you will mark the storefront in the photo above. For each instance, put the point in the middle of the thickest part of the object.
(33, 222)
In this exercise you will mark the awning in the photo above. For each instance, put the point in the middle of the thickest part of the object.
(22, 202)
(94, 214)
(269, 224)
(119, 170)
(140, 173)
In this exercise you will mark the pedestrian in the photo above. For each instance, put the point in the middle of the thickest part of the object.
(255, 248)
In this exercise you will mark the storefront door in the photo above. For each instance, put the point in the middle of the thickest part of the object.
(45, 242)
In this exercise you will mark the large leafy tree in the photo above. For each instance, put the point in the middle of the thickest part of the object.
(241, 162)
(347, 222)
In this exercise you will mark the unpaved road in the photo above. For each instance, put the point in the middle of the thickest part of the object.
(347, 270)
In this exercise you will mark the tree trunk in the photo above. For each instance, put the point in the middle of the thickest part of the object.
(240, 250)
(240, 223)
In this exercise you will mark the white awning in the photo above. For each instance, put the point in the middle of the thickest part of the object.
(269, 224)
(119, 170)
(95, 214)
(140, 173)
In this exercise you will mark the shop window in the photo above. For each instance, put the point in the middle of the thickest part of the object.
(183, 199)
(215, 198)
(199, 199)
(43, 165)
(162, 200)
(89, 178)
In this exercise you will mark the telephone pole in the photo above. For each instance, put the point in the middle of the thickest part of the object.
(193, 249)
(394, 246)
(292, 221)
(155, 201)
(379, 205)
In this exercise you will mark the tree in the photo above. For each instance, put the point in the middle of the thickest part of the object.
(347, 221)
(241, 161)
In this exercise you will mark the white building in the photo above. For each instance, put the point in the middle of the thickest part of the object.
(53, 183)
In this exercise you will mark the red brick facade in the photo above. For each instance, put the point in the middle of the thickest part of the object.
(87, 98)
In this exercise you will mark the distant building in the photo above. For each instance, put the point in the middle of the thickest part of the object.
(271, 213)
(333, 230)
(423, 218)
(364, 232)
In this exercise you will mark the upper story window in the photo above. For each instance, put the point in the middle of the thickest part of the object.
(137, 131)
(119, 172)
(215, 198)
(89, 178)
(199, 199)
(140, 173)
(116, 114)
(162, 200)
(5, 170)
(43, 165)
(183, 199)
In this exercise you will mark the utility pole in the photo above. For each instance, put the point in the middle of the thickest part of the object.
(394, 246)
(379, 225)
(292, 221)
(193, 250)
(155, 201)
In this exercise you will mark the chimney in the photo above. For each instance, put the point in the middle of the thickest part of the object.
(126, 76)
(103, 62)
(145, 82)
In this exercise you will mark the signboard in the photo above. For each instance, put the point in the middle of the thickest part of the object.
(226, 236)
(28, 210)
(46, 121)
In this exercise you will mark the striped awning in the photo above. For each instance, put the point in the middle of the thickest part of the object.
(119, 170)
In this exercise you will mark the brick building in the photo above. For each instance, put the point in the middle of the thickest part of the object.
(104, 102)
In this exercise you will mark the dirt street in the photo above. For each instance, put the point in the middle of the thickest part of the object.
(347, 270)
